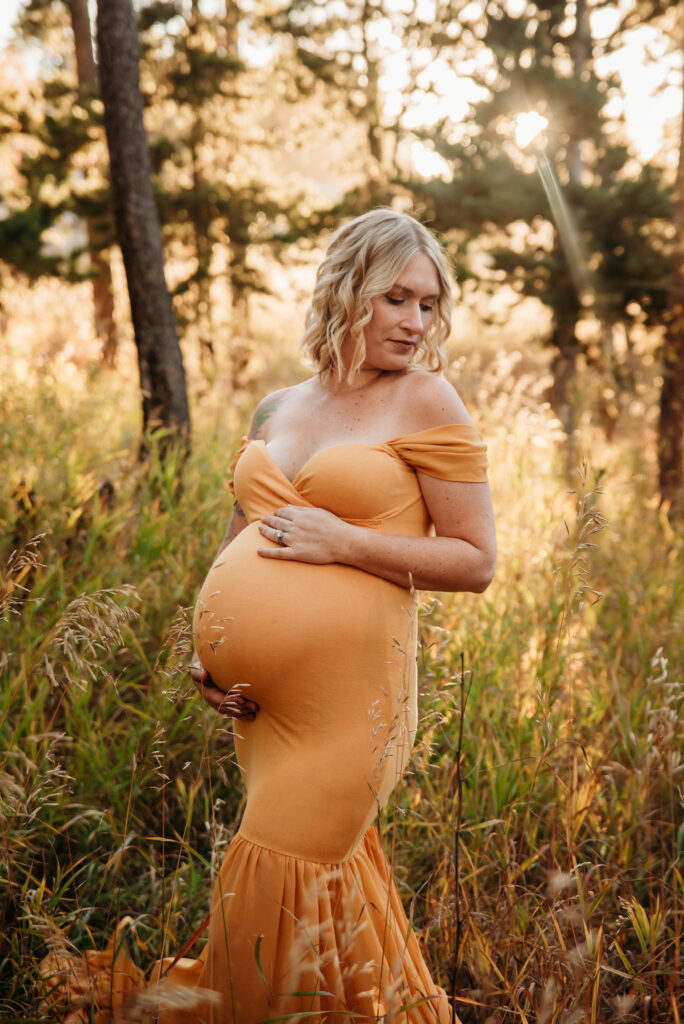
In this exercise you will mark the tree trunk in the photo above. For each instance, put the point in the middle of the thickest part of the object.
(240, 347)
(374, 130)
(88, 87)
(239, 294)
(201, 219)
(562, 393)
(231, 22)
(85, 62)
(162, 377)
(671, 423)
(564, 340)
(581, 48)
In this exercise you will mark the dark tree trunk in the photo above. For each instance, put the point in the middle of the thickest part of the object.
(88, 86)
(201, 220)
(563, 369)
(671, 424)
(239, 319)
(162, 377)
(562, 393)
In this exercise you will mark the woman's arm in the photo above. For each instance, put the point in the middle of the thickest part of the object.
(236, 525)
(461, 557)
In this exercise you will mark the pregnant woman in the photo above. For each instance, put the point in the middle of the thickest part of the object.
(353, 489)
(305, 629)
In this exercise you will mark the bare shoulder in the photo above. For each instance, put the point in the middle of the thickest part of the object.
(267, 408)
(264, 412)
(431, 401)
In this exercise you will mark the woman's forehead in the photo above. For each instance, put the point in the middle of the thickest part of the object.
(419, 276)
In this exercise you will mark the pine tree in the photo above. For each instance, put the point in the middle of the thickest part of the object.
(221, 183)
(352, 49)
(671, 419)
(64, 160)
(616, 212)
(88, 90)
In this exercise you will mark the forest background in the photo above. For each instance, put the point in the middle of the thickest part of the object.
(538, 836)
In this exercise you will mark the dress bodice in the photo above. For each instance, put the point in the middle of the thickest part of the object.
(372, 485)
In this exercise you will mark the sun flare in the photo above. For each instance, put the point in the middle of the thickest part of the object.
(528, 126)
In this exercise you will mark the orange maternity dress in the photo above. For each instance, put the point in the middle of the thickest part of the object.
(306, 923)
(305, 917)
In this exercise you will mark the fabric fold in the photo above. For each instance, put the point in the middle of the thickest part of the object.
(453, 452)
(335, 941)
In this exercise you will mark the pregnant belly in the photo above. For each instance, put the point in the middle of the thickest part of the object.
(292, 632)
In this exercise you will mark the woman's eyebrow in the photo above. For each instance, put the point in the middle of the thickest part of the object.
(409, 291)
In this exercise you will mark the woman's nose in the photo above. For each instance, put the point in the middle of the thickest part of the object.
(413, 318)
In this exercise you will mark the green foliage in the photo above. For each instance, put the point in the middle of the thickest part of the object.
(103, 785)
(618, 209)
(220, 188)
(222, 131)
(56, 135)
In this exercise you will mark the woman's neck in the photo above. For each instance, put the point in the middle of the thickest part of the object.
(341, 386)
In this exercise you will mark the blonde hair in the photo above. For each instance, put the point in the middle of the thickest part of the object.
(364, 259)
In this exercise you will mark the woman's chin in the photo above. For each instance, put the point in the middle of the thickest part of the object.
(391, 361)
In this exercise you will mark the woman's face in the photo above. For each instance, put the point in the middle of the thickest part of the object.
(402, 316)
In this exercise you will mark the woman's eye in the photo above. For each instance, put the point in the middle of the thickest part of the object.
(394, 301)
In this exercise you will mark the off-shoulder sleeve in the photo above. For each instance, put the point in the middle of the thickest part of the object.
(231, 470)
(452, 452)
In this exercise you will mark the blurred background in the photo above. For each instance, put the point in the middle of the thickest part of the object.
(540, 141)
(538, 839)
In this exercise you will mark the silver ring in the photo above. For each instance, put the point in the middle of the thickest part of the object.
(279, 537)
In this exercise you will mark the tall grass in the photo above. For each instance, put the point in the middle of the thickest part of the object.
(553, 707)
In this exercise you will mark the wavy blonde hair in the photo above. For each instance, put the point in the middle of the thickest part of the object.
(364, 259)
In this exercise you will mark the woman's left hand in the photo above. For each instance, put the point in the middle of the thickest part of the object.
(232, 703)
(305, 535)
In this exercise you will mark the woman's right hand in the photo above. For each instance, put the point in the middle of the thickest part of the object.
(233, 703)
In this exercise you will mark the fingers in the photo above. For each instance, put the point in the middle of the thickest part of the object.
(236, 706)
(199, 676)
(276, 523)
(278, 530)
(283, 518)
(301, 535)
(232, 704)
